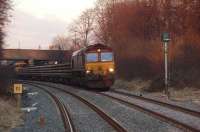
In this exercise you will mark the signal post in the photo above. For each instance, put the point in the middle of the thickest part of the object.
(165, 40)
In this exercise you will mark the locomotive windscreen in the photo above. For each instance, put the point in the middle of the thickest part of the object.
(92, 57)
(106, 56)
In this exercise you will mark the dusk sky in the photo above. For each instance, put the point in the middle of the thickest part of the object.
(37, 22)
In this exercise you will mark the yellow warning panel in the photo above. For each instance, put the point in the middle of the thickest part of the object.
(18, 88)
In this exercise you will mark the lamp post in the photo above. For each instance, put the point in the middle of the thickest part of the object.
(165, 40)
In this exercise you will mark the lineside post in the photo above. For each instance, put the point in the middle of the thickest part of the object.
(17, 90)
(166, 39)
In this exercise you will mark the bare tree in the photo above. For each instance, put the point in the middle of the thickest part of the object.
(133, 29)
(60, 43)
(6, 72)
(4, 7)
(83, 27)
(105, 12)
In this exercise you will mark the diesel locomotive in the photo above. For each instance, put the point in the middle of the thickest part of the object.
(92, 66)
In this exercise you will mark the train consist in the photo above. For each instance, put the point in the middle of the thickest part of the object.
(92, 66)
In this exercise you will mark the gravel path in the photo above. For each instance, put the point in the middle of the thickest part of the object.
(131, 119)
(45, 109)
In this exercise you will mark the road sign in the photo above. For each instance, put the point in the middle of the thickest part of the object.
(165, 37)
(18, 88)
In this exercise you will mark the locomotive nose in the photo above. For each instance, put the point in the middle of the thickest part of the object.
(104, 70)
(100, 68)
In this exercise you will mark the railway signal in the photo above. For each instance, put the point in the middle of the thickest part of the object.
(165, 40)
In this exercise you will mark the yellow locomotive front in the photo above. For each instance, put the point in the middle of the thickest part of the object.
(93, 66)
(99, 66)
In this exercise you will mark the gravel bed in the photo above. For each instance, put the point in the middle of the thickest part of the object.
(186, 118)
(45, 109)
(185, 104)
(131, 119)
(83, 117)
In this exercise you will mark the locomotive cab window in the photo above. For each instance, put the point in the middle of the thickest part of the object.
(92, 57)
(106, 56)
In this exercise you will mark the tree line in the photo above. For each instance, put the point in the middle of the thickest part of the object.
(4, 7)
(133, 29)
(5, 72)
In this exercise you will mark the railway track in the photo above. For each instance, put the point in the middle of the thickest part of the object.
(115, 125)
(67, 121)
(160, 115)
(163, 117)
(165, 104)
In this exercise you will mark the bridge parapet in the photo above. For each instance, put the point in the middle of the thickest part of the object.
(40, 55)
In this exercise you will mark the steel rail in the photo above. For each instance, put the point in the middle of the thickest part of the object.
(162, 117)
(101, 113)
(150, 112)
(68, 124)
(168, 105)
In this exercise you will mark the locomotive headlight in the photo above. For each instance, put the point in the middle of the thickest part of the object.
(111, 70)
(88, 71)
